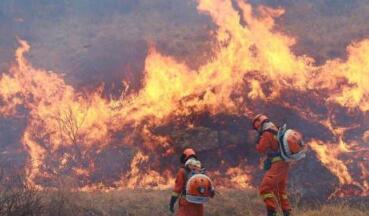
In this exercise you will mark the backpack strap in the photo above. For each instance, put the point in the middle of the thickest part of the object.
(281, 134)
(274, 132)
(187, 172)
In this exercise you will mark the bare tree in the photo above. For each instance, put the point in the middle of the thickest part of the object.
(70, 128)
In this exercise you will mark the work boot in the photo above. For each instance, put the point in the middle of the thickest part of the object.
(271, 212)
(287, 213)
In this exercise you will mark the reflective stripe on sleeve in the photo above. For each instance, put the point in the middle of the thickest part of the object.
(267, 196)
(275, 159)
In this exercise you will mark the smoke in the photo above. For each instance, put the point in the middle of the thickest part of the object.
(86, 40)
(92, 42)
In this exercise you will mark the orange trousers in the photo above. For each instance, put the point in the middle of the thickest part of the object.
(189, 209)
(273, 186)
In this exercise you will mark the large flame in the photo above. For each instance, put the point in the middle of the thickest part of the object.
(252, 63)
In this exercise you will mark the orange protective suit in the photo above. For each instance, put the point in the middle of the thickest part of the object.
(185, 208)
(273, 186)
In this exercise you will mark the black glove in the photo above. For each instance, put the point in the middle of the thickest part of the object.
(286, 213)
(267, 164)
(212, 193)
(173, 200)
(271, 212)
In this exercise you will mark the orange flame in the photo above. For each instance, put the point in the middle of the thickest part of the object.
(250, 52)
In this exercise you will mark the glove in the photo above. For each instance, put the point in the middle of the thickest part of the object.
(173, 200)
(212, 193)
(286, 213)
(271, 212)
(267, 164)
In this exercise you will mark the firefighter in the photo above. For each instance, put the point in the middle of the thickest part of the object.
(273, 186)
(185, 208)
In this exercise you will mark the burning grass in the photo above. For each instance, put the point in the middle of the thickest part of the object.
(128, 142)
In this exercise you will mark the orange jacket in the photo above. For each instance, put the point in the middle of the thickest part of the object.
(180, 181)
(267, 142)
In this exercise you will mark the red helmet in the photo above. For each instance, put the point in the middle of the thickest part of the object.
(187, 153)
(259, 120)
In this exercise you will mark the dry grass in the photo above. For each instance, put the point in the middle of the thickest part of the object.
(335, 210)
(149, 202)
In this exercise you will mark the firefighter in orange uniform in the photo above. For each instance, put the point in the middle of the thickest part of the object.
(185, 208)
(273, 186)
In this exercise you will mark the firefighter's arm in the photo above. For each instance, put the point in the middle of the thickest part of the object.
(212, 192)
(177, 190)
(263, 143)
(173, 200)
